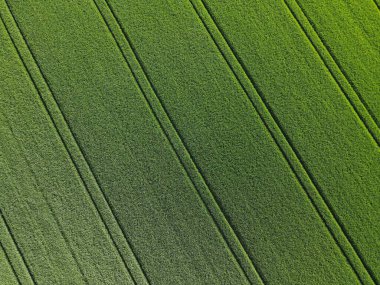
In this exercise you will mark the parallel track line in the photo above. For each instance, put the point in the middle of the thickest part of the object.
(181, 151)
(10, 263)
(36, 180)
(19, 251)
(73, 160)
(300, 24)
(351, 92)
(303, 175)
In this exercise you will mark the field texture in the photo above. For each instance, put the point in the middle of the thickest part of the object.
(190, 142)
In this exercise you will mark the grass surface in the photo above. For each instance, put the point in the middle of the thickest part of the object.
(6, 271)
(189, 142)
(350, 161)
(349, 32)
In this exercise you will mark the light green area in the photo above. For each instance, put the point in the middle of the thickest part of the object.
(350, 30)
(329, 59)
(332, 144)
(138, 146)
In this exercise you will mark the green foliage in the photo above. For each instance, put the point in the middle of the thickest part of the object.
(188, 142)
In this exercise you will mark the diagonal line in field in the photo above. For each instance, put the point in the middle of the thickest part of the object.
(377, 4)
(352, 95)
(49, 206)
(300, 24)
(82, 157)
(19, 251)
(64, 236)
(181, 151)
(285, 145)
(10, 263)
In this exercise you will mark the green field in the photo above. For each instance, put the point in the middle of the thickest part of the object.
(190, 142)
